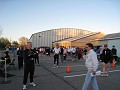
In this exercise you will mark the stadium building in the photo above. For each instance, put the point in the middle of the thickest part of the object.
(46, 38)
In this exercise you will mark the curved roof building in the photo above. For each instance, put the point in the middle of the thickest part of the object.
(46, 38)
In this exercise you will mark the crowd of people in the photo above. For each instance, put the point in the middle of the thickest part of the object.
(28, 58)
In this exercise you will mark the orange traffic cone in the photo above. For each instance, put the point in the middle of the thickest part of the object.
(113, 64)
(68, 69)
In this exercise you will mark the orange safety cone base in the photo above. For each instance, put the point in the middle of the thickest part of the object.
(113, 64)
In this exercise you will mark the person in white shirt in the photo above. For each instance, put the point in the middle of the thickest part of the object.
(56, 55)
(69, 50)
(92, 65)
(73, 51)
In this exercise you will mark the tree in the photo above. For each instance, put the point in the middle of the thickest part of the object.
(4, 42)
(15, 43)
(23, 41)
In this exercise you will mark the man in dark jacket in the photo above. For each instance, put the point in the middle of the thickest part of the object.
(28, 55)
(114, 52)
(106, 59)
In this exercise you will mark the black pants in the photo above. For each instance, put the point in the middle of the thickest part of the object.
(56, 58)
(37, 58)
(20, 62)
(79, 56)
(28, 68)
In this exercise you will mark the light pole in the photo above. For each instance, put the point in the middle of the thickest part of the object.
(39, 41)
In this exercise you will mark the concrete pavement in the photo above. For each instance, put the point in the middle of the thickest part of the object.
(49, 78)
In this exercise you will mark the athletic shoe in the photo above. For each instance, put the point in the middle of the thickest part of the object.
(33, 84)
(24, 87)
(57, 66)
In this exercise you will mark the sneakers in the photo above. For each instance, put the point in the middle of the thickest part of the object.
(24, 87)
(54, 65)
(57, 66)
(104, 75)
(33, 84)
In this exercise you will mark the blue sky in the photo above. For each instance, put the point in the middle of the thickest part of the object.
(24, 17)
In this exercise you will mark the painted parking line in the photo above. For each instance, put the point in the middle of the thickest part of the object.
(85, 74)
(47, 62)
(74, 76)
(72, 66)
(115, 71)
(44, 59)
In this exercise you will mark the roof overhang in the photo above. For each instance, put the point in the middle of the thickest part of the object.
(106, 39)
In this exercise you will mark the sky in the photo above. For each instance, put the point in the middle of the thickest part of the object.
(20, 18)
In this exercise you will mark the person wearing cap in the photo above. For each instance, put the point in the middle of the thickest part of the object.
(56, 55)
(106, 59)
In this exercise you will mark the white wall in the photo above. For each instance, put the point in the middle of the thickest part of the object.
(116, 43)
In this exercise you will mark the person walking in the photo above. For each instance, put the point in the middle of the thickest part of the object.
(65, 53)
(28, 55)
(56, 55)
(73, 51)
(69, 51)
(107, 57)
(92, 65)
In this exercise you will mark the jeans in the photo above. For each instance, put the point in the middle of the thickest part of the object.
(88, 79)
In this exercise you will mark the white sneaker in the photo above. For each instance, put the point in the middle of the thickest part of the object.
(33, 84)
(54, 65)
(57, 66)
(106, 75)
(102, 75)
(24, 87)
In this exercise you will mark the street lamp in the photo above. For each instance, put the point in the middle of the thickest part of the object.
(39, 41)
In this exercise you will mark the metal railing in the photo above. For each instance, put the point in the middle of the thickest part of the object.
(5, 69)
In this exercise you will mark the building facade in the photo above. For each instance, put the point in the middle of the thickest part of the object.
(46, 38)
(110, 39)
(80, 41)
